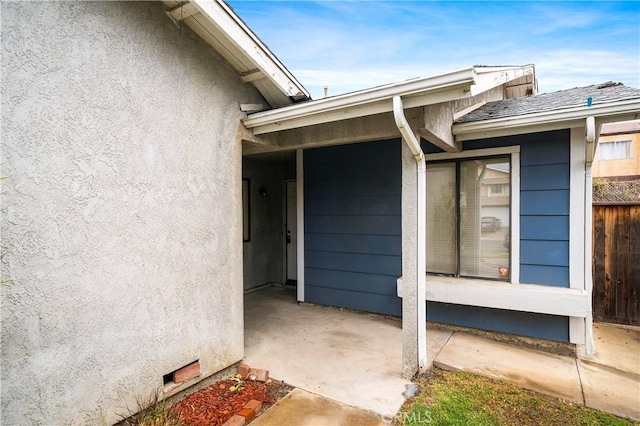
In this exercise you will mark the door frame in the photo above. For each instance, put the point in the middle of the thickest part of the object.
(285, 263)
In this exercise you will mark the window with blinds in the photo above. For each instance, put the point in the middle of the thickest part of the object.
(616, 150)
(468, 214)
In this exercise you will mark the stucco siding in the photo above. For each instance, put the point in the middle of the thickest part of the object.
(121, 211)
(353, 226)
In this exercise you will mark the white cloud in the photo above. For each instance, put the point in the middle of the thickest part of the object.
(356, 45)
(564, 69)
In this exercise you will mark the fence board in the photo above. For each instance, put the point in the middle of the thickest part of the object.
(616, 263)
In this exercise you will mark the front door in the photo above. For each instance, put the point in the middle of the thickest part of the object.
(292, 230)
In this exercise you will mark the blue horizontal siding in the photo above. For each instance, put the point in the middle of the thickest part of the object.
(544, 177)
(353, 226)
(379, 303)
(354, 262)
(523, 323)
(555, 203)
(389, 245)
(554, 276)
(332, 185)
(355, 204)
(537, 252)
(351, 281)
(552, 228)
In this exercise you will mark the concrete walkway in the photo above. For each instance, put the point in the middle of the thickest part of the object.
(341, 359)
(609, 382)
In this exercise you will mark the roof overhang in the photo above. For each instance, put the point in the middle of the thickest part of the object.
(548, 120)
(417, 92)
(216, 23)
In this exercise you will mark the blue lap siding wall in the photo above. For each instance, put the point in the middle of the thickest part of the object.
(352, 196)
(352, 226)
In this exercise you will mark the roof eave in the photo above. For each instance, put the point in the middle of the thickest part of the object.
(260, 66)
(547, 120)
(415, 93)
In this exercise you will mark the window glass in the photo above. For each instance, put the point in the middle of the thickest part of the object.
(468, 214)
(616, 150)
(441, 218)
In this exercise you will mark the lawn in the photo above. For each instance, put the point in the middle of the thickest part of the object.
(447, 398)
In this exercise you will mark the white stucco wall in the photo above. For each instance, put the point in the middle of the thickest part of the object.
(121, 211)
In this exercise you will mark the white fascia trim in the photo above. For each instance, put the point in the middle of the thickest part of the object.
(524, 298)
(300, 223)
(287, 117)
(577, 115)
(223, 17)
(489, 77)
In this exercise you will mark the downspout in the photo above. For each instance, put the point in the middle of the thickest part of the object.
(421, 309)
(591, 139)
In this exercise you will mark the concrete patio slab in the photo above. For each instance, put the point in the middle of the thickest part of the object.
(539, 371)
(301, 408)
(351, 357)
(346, 356)
(610, 390)
(616, 346)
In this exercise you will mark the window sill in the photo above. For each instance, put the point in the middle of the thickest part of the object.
(504, 295)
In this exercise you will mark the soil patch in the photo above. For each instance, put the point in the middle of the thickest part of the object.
(217, 403)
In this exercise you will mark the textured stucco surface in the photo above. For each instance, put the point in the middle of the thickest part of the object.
(121, 213)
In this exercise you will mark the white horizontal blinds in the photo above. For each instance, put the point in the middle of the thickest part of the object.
(441, 218)
(484, 218)
(616, 150)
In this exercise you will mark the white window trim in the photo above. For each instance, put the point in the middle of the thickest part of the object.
(514, 151)
(570, 302)
(300, 223)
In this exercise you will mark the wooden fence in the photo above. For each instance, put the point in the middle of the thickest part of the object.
(616, 263)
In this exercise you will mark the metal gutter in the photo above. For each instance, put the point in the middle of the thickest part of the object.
(619, 108)
(365, 102)
(413, 143)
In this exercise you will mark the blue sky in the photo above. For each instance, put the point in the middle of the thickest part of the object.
(353, 45)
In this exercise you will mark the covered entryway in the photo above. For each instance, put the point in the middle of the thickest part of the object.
(344, 355)
(269, 244)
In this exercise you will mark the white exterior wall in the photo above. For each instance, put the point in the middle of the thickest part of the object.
(121, 211)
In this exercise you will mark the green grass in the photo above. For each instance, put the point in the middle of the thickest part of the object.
(152, 412)
(461, 398)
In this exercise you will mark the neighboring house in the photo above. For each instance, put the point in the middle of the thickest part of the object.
(129, 159)
(618, 152)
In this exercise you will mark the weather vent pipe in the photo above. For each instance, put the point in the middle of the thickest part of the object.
(421, 238)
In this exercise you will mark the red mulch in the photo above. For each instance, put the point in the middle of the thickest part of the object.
(216, 404)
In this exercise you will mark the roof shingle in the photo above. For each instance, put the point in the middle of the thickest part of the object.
(599, 93)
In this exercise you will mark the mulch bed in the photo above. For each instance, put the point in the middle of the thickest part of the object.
(216, 404)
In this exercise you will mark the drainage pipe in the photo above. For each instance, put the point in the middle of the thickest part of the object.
(592, 141)
(421, 309)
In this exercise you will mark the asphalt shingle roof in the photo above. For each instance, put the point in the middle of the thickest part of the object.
(599, 93)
